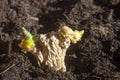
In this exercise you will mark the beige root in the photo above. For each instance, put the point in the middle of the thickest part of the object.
(51, 50)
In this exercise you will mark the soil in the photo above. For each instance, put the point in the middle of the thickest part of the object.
(95, 57)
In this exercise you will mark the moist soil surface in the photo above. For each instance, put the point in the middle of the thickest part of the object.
(95, 57)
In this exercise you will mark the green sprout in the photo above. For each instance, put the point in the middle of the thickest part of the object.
(79, 34)
(28, 42)
(74, 36)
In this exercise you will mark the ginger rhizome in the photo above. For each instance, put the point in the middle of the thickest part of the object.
(50, 48)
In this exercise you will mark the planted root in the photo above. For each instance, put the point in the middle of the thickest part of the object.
(50, 49)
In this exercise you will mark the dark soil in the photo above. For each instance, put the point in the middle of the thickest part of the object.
(95, 57)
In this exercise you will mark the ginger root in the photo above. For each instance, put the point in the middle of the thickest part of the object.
(50, 48)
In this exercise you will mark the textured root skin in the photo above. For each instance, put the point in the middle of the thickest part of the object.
(51, 50)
